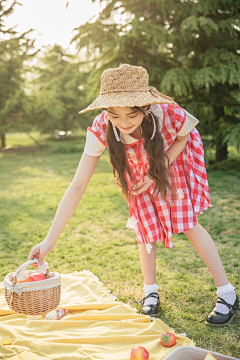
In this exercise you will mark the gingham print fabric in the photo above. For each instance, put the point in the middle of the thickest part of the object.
(99, 127)
(157, 220)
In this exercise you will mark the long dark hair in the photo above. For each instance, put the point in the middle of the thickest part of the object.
(158, 171)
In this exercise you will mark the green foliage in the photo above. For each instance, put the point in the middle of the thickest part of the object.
(178, 80)
(190, 49)
(195, 24)
(15, 51)
(6, 12)
(58, 97)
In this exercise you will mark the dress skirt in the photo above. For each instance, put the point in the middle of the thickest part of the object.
(154, 219)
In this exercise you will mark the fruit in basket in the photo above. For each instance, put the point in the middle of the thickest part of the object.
(28, 279)
(32, 277)
(139, 353)
(37, 276)
(209, 357)
(168, 339)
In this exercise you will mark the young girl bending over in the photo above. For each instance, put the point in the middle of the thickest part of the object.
(158, 160)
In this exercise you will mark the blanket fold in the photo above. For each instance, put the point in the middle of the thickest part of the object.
(96, 327)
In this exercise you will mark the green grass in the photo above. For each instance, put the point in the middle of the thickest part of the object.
(33, 181)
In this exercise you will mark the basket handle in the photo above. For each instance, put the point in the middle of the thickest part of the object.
(43, 269)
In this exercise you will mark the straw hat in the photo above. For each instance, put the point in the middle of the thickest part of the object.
(125, 86)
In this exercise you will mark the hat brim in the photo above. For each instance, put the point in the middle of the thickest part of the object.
(127, 99)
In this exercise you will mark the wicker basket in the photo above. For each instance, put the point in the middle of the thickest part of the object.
(194, 353)
(33, 298)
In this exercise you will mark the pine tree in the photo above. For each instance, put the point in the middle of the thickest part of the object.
(6, 11)
(190, 48)
(15, 51)
(57, 91)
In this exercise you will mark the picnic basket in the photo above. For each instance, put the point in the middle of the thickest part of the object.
(32, 298)
(194, 353)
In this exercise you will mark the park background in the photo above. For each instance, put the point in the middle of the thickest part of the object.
(191, 50)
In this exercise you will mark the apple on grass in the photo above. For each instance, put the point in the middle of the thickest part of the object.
(139, 353)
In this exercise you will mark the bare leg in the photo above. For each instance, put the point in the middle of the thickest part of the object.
(204, 245)
(148, 263)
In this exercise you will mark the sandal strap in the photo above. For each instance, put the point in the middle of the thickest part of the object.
(222, 301)
(155, 295)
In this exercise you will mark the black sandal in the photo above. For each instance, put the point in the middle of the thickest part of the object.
(218, 319)
(151, 310)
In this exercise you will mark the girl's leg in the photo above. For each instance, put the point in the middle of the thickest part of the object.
(204, 245)
(148, 265)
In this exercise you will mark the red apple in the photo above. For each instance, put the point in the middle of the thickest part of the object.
(168, 339)
(37, 276)
(139, 353)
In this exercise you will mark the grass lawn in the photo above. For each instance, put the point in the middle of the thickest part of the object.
(32, 182)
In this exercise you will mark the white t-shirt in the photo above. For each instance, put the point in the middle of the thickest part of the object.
(95, 147)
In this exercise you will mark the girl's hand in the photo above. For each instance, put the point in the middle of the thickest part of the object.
(142, 186)
(40, 250)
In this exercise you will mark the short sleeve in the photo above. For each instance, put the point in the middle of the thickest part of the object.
(178, 120)
(96, 136)
(93, 145)
(189, 124)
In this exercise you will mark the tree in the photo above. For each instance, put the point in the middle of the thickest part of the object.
(13, 55)
(15, 51)
(58, 95)
(6, 12)
(190, 48)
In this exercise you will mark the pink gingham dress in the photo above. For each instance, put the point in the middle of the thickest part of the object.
(152, 218)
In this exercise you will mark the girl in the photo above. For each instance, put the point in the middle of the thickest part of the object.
(158, 160)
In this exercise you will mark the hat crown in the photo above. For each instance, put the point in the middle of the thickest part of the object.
(126, 86)
(124, 78)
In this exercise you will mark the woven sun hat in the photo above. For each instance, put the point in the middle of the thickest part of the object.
(126, 86)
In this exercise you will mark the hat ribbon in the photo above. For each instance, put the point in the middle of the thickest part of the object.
(152, 90)
(157, 93)
(122, 90)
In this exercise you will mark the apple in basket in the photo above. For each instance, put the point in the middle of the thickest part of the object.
(168, 339)
(139, 353)
(32, 277)
(37, 276)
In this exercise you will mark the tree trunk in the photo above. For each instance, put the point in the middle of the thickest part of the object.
(221, 146)
(3, 140)
(221, 152)
(33, 139)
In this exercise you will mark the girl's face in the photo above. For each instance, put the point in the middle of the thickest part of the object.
(125, 119)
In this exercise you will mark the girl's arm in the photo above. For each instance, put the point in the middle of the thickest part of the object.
(174, 150)
(66, 206)
(177, 147)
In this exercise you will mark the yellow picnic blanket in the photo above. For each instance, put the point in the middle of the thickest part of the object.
(96, 327)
